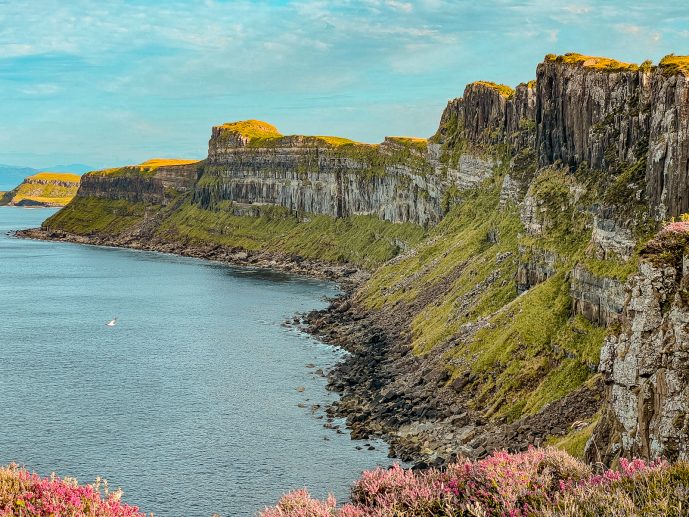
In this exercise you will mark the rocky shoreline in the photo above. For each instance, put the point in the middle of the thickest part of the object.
(345, 274)
(386, 391)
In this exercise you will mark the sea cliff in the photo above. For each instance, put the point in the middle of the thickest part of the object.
(505, 291)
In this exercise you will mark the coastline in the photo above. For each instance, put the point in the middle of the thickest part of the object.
(340, 324)
(348, 276)
(385, 390)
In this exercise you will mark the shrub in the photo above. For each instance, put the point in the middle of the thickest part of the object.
(29, 495)
(537, 482)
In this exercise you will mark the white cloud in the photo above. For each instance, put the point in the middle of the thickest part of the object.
(40, 89)
(406, 7)
(629, 29)
(577, 9)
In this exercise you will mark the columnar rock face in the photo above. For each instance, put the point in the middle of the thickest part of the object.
(612, 117)
(667, 173)
(394, 180)
(136, 186)
(537, 266)
(491, 114)
(585, 114)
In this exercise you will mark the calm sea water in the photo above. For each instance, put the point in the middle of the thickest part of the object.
(189, 403)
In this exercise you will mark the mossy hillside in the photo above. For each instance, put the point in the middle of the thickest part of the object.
(530, 353)
(458, 241)
(92, 216)
(574, 442)
(529, 350)
(561, 207)
(362, 240)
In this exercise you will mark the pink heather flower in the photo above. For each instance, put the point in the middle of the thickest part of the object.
(677, 227)
(502, 484)
(22, 493)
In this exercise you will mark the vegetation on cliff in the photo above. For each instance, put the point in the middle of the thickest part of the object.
(90, 215)
(43, 189)
(544, 482)
(671, 65)
(596, 63)
(256, 133)
(502, 89)
(252, 129)
(364, 240)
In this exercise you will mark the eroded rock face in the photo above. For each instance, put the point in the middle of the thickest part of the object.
(304, 176)
(535, 266)
(609, 238)
(486, 116)
(647, 370)
(134, 187)
(667, 172)
(599, 299)
(588, 115)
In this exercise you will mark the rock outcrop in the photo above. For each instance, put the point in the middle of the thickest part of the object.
(667, 172)
(646, 365)
(599, 299)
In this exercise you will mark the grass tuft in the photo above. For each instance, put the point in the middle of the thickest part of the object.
(502, 89)
(674, 65)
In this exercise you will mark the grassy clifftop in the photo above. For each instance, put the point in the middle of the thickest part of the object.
(593, 62)
(147, 167)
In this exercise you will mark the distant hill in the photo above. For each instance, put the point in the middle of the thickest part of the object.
(43, 189)
(13, 175)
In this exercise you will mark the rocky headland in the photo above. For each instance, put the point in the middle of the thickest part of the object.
(508, 284)
(49, 189)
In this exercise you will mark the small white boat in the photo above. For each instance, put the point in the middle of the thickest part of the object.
(111, 323)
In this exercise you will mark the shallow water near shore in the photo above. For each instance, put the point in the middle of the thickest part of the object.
(189, 403)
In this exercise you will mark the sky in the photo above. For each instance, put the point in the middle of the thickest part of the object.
(117, 82)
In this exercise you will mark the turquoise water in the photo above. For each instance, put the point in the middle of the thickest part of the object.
(189, 404)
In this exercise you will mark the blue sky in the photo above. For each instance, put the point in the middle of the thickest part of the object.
(115, 82)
